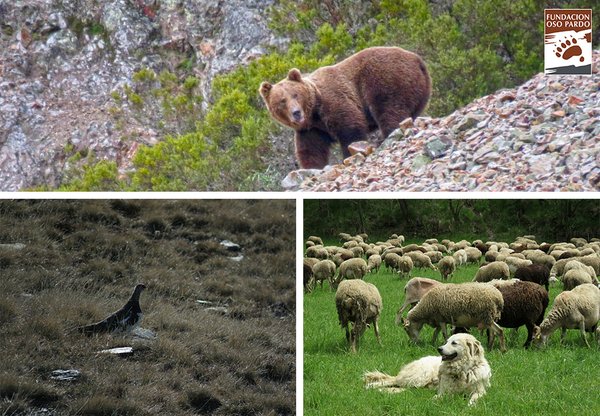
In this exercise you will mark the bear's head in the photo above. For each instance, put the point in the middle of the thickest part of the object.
(291, 101)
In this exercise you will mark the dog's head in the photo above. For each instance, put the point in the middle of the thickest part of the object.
(461, 346)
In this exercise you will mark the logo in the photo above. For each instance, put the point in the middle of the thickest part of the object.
(568, 41)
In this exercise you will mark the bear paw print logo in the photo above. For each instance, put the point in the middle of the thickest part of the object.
(568, 48)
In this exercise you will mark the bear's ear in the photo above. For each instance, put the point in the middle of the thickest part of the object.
(265, 89)
(294, 75)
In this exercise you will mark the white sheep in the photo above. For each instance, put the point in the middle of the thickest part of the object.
(434, 255)
(462, 244)
(462, 305)
(420, 260)
(405, 265)
(344, 236)
(315, 239)
(577, 265)
(371, 251)
(413, 247)
(374, 263)
(351, 269)
(447, 266)
(491, 255)
(324, 270)
(358, 303)
(350, 244)
(572, 309)
(575, 277)
(391, 260)
(318, 252)
(494, 270)
(593, 261)
(357, 251)
(559, 267)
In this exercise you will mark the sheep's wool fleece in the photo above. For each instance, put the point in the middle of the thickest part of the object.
(359, 296)
(449, 301)
(582, 300)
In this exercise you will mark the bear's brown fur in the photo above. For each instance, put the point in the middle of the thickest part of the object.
(376, 88)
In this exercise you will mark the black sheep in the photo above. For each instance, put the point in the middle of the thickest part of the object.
(524, 304)
(536, 273)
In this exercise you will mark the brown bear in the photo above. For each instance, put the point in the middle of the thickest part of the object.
(375, 88)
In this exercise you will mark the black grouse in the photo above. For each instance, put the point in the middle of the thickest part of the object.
(125, 319)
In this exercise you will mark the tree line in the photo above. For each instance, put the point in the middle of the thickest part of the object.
(493, 219)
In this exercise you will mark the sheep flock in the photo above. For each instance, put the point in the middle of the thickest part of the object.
(509, 289)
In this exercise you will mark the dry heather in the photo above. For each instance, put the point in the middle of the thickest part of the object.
(81, 260)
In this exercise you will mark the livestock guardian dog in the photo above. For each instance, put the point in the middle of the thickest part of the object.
(460, 368)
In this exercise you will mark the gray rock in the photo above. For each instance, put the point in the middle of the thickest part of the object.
(469, 121)
(65, 375)
(437, 147)
(12, 246)
(219, 309)
(120, 351)
(294, 179)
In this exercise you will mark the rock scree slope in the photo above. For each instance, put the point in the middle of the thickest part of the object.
(541, 136)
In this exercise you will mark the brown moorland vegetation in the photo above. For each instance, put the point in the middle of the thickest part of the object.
(232, 354)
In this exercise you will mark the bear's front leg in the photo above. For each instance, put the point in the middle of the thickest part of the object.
(349, 135)
(312, 148)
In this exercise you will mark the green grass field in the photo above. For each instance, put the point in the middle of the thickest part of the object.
(554, 380)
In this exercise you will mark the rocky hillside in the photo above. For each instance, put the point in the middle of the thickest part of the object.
(60, 60)
(542, 136)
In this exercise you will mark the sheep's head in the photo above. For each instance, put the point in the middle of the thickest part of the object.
(538, 337)
(413, 329)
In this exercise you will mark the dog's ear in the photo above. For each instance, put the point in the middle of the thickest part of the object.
(474, 347)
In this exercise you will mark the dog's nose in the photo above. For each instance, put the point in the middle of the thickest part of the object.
(297, 114)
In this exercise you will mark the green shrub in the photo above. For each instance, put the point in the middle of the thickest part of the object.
(101, 176)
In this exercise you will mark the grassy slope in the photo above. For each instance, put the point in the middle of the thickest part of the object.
(555, 380)
(81, 260)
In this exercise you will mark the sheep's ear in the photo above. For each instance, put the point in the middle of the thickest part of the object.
(536, 332)
(265, 89)
(294, 75)
(405, 322)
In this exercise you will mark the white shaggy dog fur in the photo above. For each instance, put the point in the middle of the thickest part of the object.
(460, 368)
